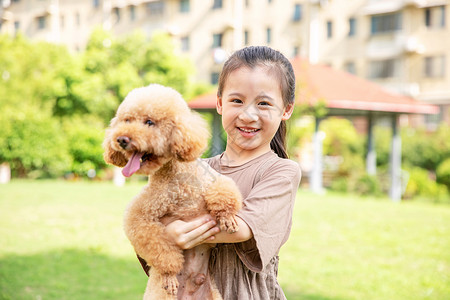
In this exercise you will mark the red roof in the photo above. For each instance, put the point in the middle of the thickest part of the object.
(338, 90)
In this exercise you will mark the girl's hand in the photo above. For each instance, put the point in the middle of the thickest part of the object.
(187, 235)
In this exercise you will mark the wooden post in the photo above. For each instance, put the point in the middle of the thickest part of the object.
(5, 173)
(316, 172)
(217, 143)
(396, 161)
(371, 159)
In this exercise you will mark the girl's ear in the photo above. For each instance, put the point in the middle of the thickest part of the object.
(288, 110)
(219, 105)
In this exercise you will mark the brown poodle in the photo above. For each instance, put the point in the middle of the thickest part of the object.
(156, 134)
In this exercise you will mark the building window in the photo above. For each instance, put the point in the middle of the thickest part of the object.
(185, 44)
(95, 3)
(435, 17)
(41, 22)
(246, 38)
(217, 40)
(16, 26)
(155, 8)
(382, 68)
(386, 23)
(329, 30)
(132, 13)
(77, 19)
(434, 66)
(217, 4)
(116, 12)
(61, 21)
(297, 13)
(214, 78)
(185, 6)
(269, 35)
(350, 67)
(351, 27)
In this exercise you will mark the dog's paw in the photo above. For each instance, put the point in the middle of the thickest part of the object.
(170, 284)
(228, 224)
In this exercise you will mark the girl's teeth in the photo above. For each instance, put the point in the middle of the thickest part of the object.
(248, 130)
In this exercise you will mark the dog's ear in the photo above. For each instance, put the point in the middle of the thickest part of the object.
(189, 137)
(110, 155)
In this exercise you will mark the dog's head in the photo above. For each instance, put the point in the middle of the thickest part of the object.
(152, 126)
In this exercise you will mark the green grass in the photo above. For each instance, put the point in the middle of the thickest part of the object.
(64, 240)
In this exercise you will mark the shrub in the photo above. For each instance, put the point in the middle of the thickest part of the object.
(421, 185)
(443, 173)
(367, 185)
(85, 137)
(33, 144)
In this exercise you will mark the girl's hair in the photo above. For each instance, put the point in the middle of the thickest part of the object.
(280, 66)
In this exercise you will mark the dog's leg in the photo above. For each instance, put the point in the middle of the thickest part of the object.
(224, 200)
(154, 290)
(151, 243)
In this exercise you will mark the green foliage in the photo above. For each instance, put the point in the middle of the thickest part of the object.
(75, 95)
(341, 139)
(84, 137)
(367, 185)
(33, 144)
(421, 185)
(443, 173)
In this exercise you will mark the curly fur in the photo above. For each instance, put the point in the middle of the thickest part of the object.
(155, 125)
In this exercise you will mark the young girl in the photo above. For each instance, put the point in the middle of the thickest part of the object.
(255, 97)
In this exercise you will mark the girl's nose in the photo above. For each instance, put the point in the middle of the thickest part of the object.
(249, 114)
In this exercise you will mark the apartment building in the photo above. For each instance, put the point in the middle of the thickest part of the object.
(403, 45)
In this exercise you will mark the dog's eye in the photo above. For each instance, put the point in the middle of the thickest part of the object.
(127, 120)
(149, 122)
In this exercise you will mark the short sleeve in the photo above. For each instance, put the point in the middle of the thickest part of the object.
(268, 212)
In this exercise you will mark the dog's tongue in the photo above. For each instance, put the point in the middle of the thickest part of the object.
(133, 164)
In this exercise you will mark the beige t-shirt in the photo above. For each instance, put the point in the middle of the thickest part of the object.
(268, 185)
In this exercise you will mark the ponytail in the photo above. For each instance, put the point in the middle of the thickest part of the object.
(278, 143)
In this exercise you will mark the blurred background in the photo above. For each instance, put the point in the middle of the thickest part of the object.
(66, 65)
(370, 131)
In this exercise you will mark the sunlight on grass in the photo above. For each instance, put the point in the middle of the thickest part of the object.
(342, 247)
(64, 240)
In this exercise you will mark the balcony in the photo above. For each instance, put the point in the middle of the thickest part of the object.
(375, 7)
(392, 45)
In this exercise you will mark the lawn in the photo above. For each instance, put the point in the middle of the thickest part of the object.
(64, 240)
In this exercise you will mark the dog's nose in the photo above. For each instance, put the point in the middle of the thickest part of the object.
(123, 141)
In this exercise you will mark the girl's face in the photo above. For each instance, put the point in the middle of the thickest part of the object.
(252, 109)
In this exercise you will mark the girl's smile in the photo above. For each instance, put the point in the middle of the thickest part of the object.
(252, 109)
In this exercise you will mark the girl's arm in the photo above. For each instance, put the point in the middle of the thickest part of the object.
(203, 229)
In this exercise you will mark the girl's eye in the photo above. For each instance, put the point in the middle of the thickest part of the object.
(149, 123)
(263, 103)
(236, 101)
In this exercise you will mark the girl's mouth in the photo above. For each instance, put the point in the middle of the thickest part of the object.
(248, 132)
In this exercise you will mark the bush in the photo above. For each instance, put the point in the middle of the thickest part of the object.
(420, 185)
(367, 185)
(85, 137)
(443, 173)
(33, 144)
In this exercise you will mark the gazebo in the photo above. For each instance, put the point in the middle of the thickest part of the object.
(343, 95)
